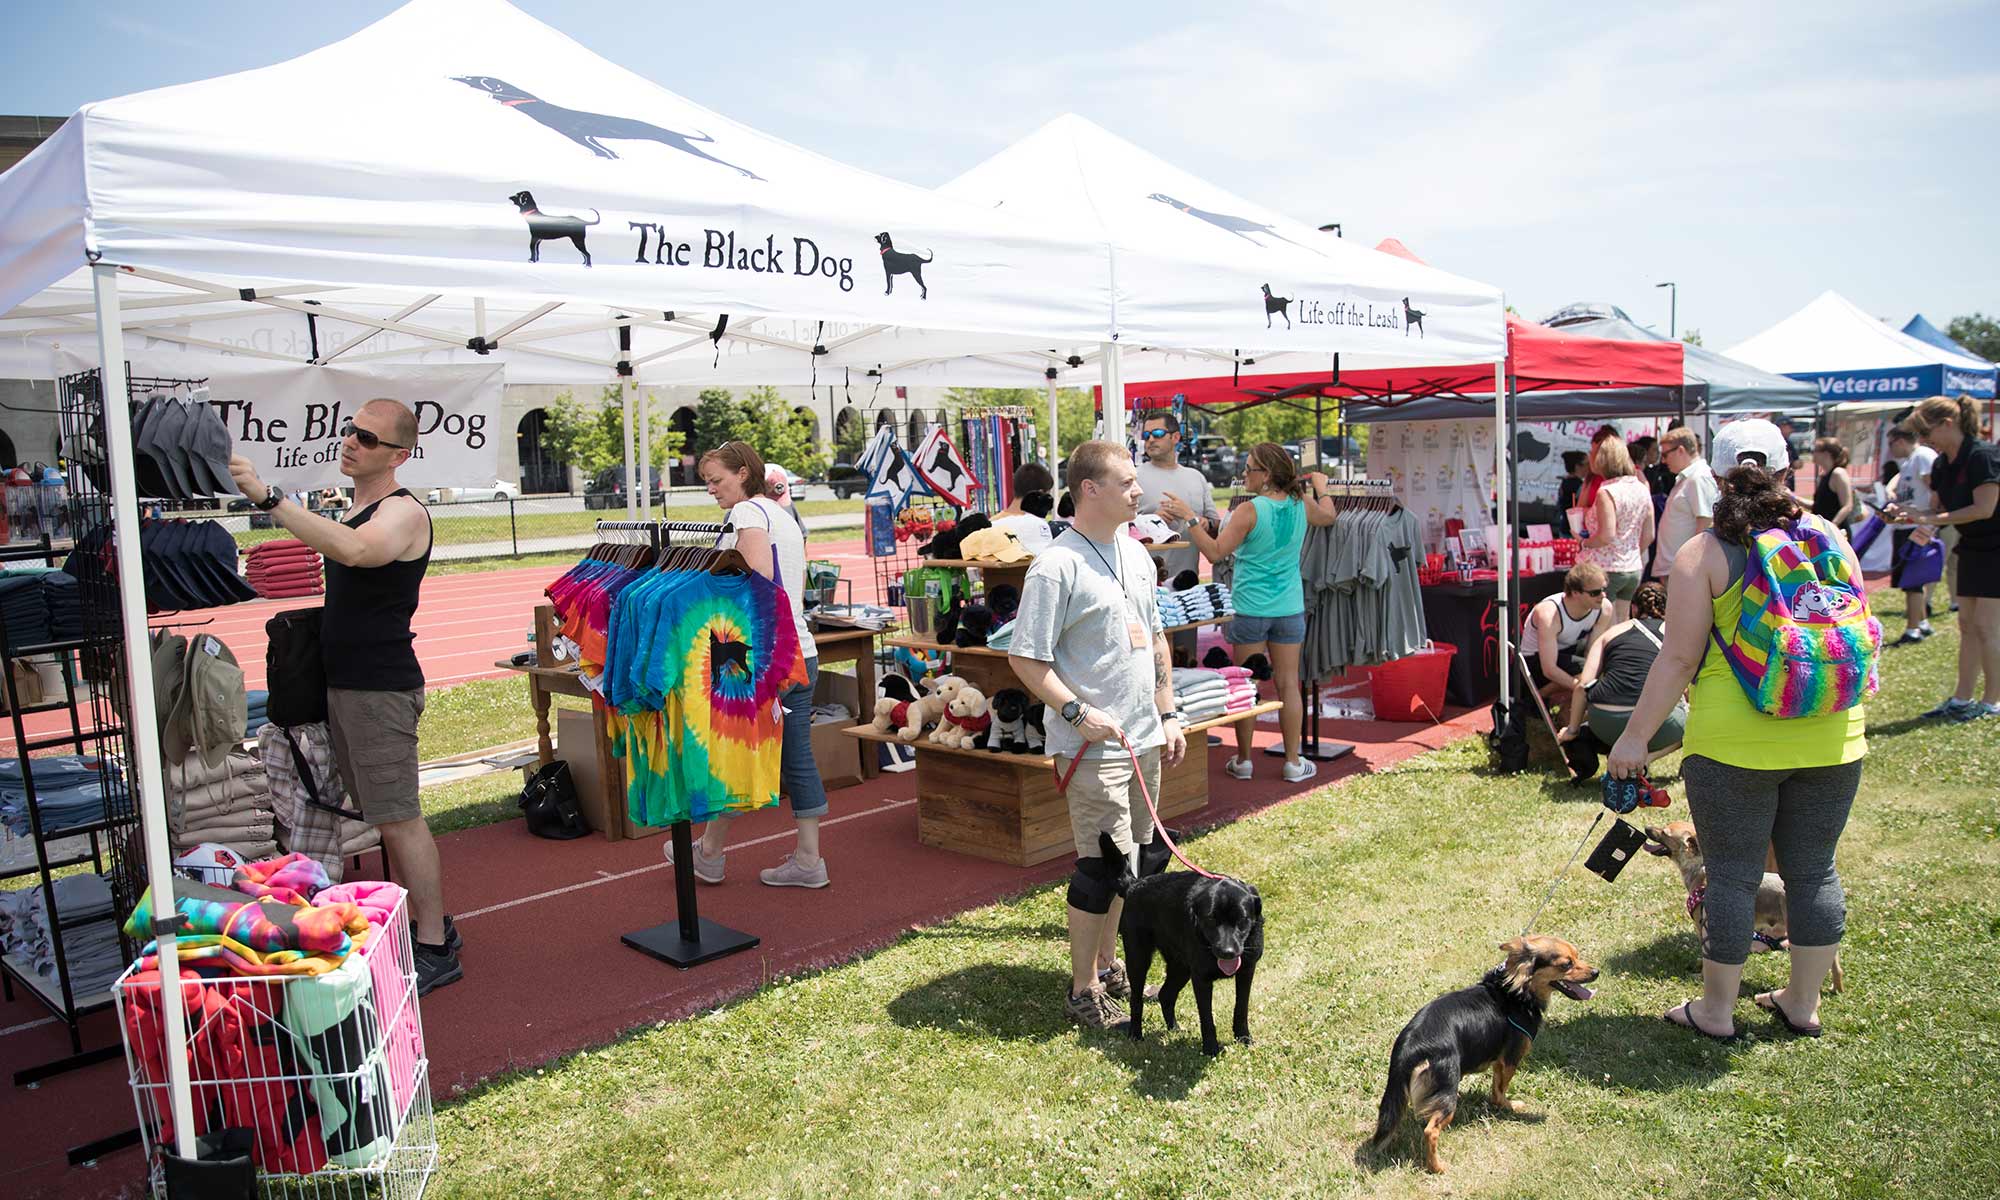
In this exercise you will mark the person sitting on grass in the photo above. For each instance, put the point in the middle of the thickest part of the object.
(1614, 673)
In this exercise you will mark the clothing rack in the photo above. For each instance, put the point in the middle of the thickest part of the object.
(690, 938)
(1374, 493)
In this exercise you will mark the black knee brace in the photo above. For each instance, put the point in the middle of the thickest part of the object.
(1154, 855)
(1092, 886)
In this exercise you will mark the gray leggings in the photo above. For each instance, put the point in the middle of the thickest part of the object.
(1800, 813)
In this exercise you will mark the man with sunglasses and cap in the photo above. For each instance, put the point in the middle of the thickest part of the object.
(375, 564)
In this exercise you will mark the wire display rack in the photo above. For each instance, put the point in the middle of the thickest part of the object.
(327, 1072)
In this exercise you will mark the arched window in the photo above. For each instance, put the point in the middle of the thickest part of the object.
(542, 469)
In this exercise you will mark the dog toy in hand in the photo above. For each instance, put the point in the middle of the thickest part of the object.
(1624, 795)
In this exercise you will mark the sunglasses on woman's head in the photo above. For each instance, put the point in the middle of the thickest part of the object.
(368, 440)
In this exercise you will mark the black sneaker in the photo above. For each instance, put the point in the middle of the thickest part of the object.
(436, 970)
(452, 941)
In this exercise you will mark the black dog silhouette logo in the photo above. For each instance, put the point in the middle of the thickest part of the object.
(591, 130)
(552, 226)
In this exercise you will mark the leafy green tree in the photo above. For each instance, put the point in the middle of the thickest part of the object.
(592, 438)
(1978, 333)
(781, 435)
(1692, 337)
(718, 418)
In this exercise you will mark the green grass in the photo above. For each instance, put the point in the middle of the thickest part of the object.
(477, 714)
(942, 1066)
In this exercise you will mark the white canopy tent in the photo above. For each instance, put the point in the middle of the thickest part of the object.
(1852, 356)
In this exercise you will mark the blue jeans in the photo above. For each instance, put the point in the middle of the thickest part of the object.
(798, 775)
(1277, 631)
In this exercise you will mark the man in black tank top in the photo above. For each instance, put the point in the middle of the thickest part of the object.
(375, 563)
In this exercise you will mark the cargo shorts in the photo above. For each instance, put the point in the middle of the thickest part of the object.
(375, 747)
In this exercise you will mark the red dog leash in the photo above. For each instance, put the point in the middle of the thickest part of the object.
(1139, 775)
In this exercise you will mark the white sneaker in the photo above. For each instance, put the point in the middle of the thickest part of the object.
(1238, 768)
(1303, 769)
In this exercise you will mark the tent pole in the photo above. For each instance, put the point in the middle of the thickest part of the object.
(1113, 376)
(139, 721)
(645, 404)
(1511, 534)
(1054, 441)
(631, 489)
(1500, 465)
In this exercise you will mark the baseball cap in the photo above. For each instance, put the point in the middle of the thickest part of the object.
(1152, 530)
(210, 862)
(1751, 440)
(218, 707)
(993, 545)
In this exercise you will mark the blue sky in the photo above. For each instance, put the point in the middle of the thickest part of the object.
(1755, 154)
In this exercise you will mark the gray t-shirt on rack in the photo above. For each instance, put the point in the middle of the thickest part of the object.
(1077, 604)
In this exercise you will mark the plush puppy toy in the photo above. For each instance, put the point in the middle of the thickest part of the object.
(1010, 722)
(975, 621)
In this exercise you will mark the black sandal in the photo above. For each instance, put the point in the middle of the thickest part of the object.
(1686, 1009)
(1777, 1010)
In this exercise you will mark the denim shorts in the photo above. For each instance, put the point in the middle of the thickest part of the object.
(1279, 631)
(798, 775)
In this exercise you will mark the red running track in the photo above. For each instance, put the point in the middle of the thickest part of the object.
(535, 911)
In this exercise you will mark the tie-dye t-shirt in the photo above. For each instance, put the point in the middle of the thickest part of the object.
(697, 663)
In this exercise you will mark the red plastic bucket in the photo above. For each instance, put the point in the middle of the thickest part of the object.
(1412, 687)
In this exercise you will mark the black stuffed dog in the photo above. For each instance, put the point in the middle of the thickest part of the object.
(1009, 731)
(1205, 928)
(950, 543)
(1186, 579)
(975, 621)
(1005, 600)
(946, 624)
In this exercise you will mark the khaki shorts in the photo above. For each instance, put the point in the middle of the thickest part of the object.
(375, 747)
(1103, 799)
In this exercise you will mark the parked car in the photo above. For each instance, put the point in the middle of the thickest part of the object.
(846, 480)
(500, 490)
(607, 489)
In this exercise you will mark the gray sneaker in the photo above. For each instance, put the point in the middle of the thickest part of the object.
(790, 874)
(1095, 1009)
(1951, 710)
(706, 869)
(1973, 712)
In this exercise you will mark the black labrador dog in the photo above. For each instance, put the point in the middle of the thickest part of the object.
(552, 226)
(900, 262)
(1206, 929)
(591, 130)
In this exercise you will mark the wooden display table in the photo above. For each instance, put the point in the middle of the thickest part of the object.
(858, 647)
(1005, 807)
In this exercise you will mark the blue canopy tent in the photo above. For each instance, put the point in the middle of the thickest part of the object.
(1924, 331)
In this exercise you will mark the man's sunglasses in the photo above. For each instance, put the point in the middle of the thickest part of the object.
(1597, 592)
(1150, 434)
(368, 440)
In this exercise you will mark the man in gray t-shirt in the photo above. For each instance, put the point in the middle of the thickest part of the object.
(1161, 473)
(1087, 643)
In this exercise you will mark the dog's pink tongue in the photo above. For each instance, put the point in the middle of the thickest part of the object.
(1229, 966)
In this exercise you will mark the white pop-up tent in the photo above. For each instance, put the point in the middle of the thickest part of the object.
(1853, 357)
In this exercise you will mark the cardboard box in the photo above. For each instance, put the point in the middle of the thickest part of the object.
(576, 744)
(837, 756)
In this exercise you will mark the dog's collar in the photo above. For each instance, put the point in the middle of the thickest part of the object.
(518, 103)
(1525, 1031)
(1695, 897)
(881, 249)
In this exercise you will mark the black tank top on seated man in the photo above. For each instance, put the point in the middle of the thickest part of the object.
(365, 636)
(1621, 671)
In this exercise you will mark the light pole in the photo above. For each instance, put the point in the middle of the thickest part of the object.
(1673, 306)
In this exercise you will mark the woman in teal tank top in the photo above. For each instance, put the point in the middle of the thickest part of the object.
(1267, 592)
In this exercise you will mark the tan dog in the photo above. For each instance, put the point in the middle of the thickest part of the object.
(1771, 922)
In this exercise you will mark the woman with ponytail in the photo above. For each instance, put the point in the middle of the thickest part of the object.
(1966, 480)
(1267, 588)
(1754, 780)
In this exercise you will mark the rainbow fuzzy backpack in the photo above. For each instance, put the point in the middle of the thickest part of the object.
(1805, 643)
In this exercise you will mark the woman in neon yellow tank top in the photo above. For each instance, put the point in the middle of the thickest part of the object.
(1267, 590)
(1752, 780)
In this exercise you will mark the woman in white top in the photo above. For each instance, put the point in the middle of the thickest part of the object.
(1621, 524)
(772, 542)
(1027, 517)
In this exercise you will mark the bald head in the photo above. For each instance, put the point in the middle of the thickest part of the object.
(396, 419)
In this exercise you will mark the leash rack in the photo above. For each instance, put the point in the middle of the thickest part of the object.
(690, 939)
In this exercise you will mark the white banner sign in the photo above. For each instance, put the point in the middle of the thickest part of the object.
(287, 418)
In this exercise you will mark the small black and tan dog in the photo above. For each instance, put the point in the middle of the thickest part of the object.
(1282, 305)
(901, 262)
(552, 226)
(1205, 928)
(1493, 1023)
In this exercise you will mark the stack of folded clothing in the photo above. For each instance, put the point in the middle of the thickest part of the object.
(89, 936)
(24, 608)
(1242, 688)
(1200, 694)
(1199, 603)
(285, 568)
(257, 702)
(229, 804)
(65, 606)
(1001, 638)
(69, 792)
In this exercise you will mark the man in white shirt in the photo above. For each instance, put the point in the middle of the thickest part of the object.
(1691, 505)
(1911, 490)
(1161, 474)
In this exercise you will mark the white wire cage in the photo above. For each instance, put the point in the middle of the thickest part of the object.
(326, 1072)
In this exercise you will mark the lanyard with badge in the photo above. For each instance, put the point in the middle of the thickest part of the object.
(1135, 630)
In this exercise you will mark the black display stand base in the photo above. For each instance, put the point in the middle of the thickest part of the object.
(690, 939)
(669, 942)
(1323, 752)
